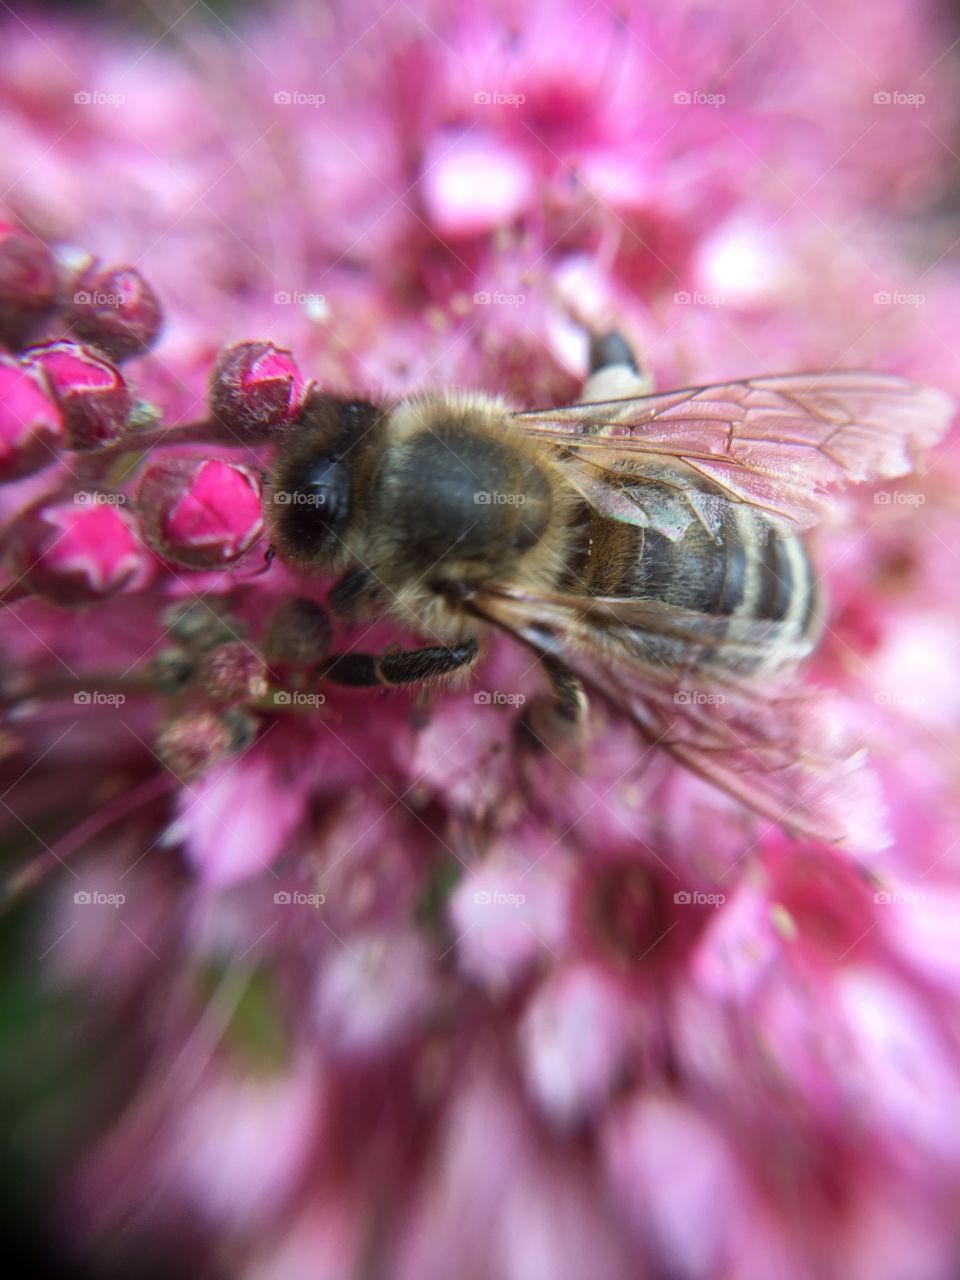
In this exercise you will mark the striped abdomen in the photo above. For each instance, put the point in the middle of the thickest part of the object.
(745, 571)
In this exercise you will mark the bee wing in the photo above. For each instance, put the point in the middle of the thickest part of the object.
(778, 443)
(772, 744)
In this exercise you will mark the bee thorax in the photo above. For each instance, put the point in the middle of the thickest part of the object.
(450, 496)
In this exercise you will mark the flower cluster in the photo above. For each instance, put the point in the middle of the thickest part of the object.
(384, 991)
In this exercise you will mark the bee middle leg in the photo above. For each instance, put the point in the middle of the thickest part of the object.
(410, 666)
(554, 722)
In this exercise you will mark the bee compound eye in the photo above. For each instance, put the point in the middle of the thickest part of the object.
(312, 502)
(324, 489)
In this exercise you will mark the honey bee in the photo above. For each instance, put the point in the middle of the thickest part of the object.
(645, 547)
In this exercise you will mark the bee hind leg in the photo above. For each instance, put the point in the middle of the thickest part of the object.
(610, 348)
(555, 722)
(615, 372)
(410, 666)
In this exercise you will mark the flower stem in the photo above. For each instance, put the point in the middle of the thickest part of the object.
(89, 687)
(204, 431)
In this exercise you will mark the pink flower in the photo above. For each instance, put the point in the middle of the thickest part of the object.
(73, 553)
(92, 394)
(255, 385)
(31, 428)
(199, 512)
(116, 309)
(236, 821)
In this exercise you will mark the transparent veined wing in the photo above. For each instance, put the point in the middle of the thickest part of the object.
(774, 744)
(782, 444)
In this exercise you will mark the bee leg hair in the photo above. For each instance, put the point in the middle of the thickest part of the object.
(410, 666)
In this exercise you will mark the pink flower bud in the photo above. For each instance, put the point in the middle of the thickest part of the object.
(202, 513)
(191, 743)
(91, 392)
(298, 634)
(256, 385)
(171, 668)
(115, 308)
(31, 426)
(197, 626)
(27, 281)
(233, 673)
(71, 552)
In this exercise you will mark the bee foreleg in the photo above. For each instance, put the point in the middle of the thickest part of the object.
(411, 666)
(558, 719)
(614, 371)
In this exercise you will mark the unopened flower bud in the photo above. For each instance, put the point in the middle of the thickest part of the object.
(171, 668)
(256, 385)
(202, 513)
(91, 392)
(71, 554)
(27, 282)
(115, 308)
(298, 634)
(31, 425)
(194, 742)
(232, 673)
(199, 627)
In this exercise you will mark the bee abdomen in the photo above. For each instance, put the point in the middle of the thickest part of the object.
(745, 572)
(778, 586)
(776, 576)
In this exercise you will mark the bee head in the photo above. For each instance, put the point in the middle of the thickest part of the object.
(310, 496)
